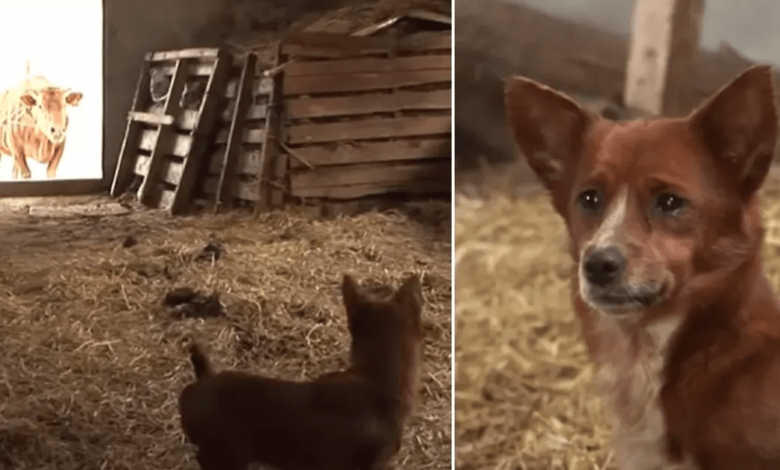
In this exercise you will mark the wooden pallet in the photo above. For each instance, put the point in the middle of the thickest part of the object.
(164, 143)
(366, 116)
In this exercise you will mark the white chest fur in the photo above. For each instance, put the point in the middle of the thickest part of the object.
(630, 378)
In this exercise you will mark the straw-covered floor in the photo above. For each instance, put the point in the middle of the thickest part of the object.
(92, 365)
(523, 381)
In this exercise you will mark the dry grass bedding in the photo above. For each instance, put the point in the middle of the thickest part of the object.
(523, 395)
(92, 360)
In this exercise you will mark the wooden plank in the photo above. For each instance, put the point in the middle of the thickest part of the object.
(249, 136)
(421, 186)
(362, 81)
(198, 69)
(208, 109)
(304, 108)
(328, 45)
(279, 179)
(260, 86)
(46, 188)
(662, 53)
(180, 147)
(368, 152)
(253, 112)
(236, 132)
(269, 151)
(170, 170)
(244, 190)
(369, 129)
(370, 173)
(247, 162)
(196, 53)
(123, 174)
(151, 118)
(187, 119)
(368, 65)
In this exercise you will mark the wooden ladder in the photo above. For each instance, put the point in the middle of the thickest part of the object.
(168, 174)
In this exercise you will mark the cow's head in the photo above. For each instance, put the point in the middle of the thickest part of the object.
(48, 106)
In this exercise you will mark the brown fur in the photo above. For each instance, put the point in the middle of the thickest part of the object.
(347, 420)
(709, 334)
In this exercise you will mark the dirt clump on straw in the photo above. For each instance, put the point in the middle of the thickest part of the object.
(523, 386)
(95, 312)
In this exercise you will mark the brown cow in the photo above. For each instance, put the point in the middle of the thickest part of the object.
(34, 123)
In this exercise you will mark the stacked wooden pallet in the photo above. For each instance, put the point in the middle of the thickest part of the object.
(348, 117)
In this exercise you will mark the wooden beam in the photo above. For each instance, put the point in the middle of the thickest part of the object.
(661, 59)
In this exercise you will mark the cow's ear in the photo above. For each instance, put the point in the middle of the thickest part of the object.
(28, 99)
(73, 98)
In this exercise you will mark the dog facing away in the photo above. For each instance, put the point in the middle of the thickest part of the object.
(664, 225)
(352, 419)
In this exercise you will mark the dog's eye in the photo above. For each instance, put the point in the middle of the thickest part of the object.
(669, 205)
(590, 200)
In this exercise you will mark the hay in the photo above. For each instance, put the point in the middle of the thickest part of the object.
(92, 362)
(523, 379)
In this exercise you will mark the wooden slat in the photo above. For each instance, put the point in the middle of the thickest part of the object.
(367, 152)
(151, 118)
(368, 65)
(247, 162)
(369, 129)
(423, 186)
(166, 197)
(244, 190)
(249, 136)
(279, 175)
(198, 53)
(188, 118)
(181, 143)
(170, 171)
(327, 45)
(302, 108)
(198, 69)
(253, 113)
(260, 86)
(662, 54)
(369, 173)
(208, 110)
(123, 175)
(236, 131)
(362, 81)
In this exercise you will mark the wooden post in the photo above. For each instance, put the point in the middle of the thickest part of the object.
(664, 43)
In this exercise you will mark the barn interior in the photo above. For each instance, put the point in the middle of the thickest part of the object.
(524, 394)
(101, 292)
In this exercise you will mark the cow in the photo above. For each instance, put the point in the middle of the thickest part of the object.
(34, 124)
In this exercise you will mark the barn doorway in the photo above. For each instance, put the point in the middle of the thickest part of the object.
(54, 86)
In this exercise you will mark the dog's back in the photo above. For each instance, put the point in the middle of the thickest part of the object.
(346, 423)
(343, 420)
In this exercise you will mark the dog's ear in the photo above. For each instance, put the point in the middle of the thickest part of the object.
(549, 128)
(410, 294)
(739, 127)
(352, 296)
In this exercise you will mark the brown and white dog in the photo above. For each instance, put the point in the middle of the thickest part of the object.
(348, 420)
(664, 224)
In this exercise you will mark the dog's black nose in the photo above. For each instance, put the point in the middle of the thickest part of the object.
(604, 265)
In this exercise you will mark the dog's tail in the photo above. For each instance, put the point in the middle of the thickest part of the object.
(200, 362)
